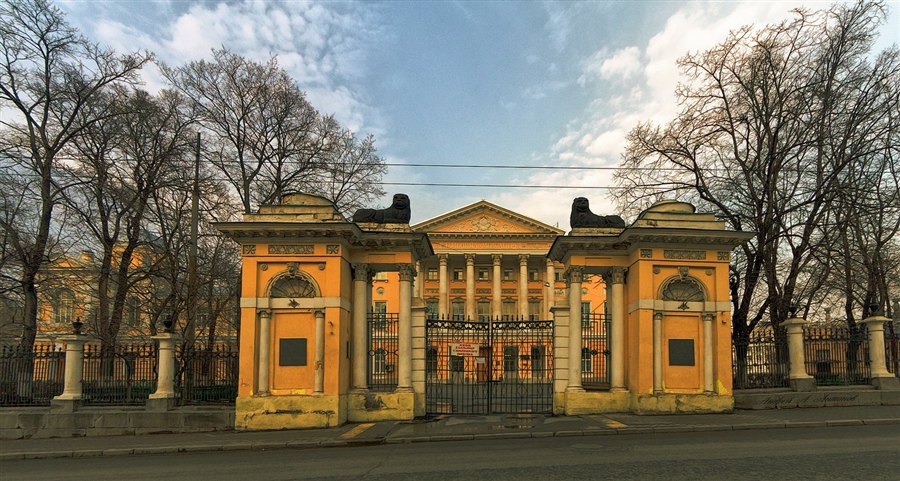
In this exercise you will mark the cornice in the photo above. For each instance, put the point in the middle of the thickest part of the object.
(634, 237)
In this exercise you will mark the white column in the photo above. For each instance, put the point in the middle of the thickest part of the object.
(404, 326)
(360, 352)
(418, 285)
(497, 289)
(574, 275)
(265, 344)
(549, 289)
(657, 353)
(319, 386)
(443, 288)
(523, 286)
(708, 353)
(875, 327)
(470, 287)
(165, 383)
(617, 326)
(72, 387)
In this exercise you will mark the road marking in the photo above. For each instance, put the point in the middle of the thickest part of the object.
(357, 430)
(614, 424)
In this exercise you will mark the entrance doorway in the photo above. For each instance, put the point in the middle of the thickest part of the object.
(494, 366)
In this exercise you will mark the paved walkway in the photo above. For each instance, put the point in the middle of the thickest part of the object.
(449, 428)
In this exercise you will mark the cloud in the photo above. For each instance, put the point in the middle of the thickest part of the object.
(320, 45)
(622, 65)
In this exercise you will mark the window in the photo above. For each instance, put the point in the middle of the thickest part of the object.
(459, 275)
(431, 360)
(381, 276)
(537, 361)
(64, 307)
(432, 274)
(484, 274)
(431, 308)
(484, 311)
(379, 361)
(510, 361)
(587, 361)
(508, 274)
(133, 312)
(534, 310)
(380, 314)
(534, 275)
(457, 364)
(585, 314)
(559, 276)
(290, 287)
(459, 311)
(509, 310)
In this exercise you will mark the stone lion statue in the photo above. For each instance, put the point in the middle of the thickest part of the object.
(397, 213)
(583, 217)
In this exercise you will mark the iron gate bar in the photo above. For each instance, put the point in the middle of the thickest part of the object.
(478, 367)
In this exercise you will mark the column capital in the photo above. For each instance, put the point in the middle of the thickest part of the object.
(361, 272)
(443, 258)
(523, 258)
(264, 312)
(497, 258)
(575, 274)
(709, 316)
(470, 259)
(617, 275)
(407, 272)
(657, 315)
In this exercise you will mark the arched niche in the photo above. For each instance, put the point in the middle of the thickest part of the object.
(293, 283)
(683, 288)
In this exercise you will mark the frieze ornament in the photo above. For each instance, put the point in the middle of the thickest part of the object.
(483, 224)
(249, 249)
(724, 256)
(291, 249)
(684, 254)
(646, 253)
(332, 249)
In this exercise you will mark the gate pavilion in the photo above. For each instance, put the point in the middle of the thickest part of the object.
(312, 282)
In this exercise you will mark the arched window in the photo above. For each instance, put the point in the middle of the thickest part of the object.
(64, 307)
(293, 287)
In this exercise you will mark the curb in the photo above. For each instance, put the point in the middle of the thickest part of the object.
(332, 443)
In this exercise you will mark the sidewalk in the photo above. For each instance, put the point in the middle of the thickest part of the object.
(449, 428)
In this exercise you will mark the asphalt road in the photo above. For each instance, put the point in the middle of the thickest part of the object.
(836, 453)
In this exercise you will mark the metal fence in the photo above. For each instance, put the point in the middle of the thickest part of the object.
(892, 349)
(121, 375)
(30, 376)
(206, 375)
(761, 360)
(383, 357)
(595, 351)
(837, 355)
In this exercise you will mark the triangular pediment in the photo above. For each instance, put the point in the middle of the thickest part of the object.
(485, 218)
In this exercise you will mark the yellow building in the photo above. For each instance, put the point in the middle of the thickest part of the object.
(480, 310)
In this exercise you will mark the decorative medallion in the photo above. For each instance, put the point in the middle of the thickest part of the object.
(483, 224)
(249, 249)
(709, 272)
(264, 267)
(332, 249)
(646, 253)
(321, 266)
(723, 256)
(656, 269)
(380, 291)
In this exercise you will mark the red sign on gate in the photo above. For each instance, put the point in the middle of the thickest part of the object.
(464, 349)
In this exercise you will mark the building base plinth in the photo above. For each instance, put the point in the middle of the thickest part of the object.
(668, 403)
(803, 384)
(65, 405)
(593, 402)
(381, 406)
(891, 383)
(289, 412)
(161, 403)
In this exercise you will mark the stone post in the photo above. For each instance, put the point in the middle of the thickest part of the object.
(798, 379)
(881, 377)
(575, 275)
(657, 353)
(319, 382)
(71, 397)
(617, 326)
(163, 399)
(265, 345)
(404, 328)
(360, 327)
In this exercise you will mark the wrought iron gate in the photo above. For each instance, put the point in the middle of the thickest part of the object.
(491, 366)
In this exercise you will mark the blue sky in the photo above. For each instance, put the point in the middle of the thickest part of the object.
(475, 83)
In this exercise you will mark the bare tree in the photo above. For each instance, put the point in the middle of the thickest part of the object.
(772, 122)
(353, 172)
(48, 72)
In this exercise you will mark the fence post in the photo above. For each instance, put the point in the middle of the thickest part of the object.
(163, 399)
(798, 379)
(880, 377)
(71, 398)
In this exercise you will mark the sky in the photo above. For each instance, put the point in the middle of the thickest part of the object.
(537, 87)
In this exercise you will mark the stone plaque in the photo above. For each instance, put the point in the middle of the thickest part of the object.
(684, 254)
(681, 352)
(292, 352)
